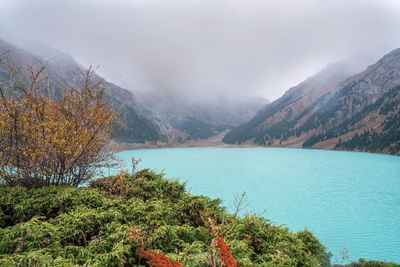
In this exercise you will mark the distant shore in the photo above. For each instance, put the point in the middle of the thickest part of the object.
(204, 143)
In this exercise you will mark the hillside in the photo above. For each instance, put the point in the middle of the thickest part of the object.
(98, 226)
(333, 110)
(139, 125)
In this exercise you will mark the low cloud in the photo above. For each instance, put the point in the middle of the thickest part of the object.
(198, 48)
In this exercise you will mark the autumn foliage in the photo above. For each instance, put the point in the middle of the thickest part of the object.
(152, 258)
(114, 185)
(48, 141)
(225, 255)
(224, 252)
(156, 259)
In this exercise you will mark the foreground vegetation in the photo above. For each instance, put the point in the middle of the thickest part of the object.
(365, 263)
(93, 226)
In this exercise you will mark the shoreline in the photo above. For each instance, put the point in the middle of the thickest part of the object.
(139, 146)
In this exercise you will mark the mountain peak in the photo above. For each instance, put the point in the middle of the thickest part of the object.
(391, 57)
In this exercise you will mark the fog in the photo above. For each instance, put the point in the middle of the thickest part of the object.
(205, 48)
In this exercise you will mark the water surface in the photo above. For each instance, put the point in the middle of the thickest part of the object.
(349, 200)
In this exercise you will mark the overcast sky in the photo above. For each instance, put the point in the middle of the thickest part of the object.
(197, 47)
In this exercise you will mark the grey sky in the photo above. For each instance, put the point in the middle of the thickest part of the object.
(200, 47)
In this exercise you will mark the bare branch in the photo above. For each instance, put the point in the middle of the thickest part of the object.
(240, 203)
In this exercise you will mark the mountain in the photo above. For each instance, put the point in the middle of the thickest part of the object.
(146, 117)
(139, 125)
(334, 109)
(202, 119)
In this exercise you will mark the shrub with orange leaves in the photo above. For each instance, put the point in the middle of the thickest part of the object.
(47, 141)
(114, 185)
(152, 258)
(224, 252)
(137, 235)
(156, 259)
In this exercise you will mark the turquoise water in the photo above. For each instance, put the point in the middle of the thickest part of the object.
(349, 200)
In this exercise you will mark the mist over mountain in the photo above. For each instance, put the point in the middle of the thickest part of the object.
(333, 109)
(198, 49)
(139, 125)
(199, 119)
(146, 117)
(193, 70)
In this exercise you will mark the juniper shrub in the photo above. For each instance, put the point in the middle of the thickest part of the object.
(92, 226)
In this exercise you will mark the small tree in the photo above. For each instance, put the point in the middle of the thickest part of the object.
(47, 141)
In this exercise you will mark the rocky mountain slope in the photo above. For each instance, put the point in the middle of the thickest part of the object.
(333, 110)
(139, 125)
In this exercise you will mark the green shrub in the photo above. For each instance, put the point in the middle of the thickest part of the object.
(365, 263)
(66, 226)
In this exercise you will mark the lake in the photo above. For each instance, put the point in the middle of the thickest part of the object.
(349, 200)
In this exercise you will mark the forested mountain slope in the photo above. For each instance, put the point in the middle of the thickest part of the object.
(329, 111)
